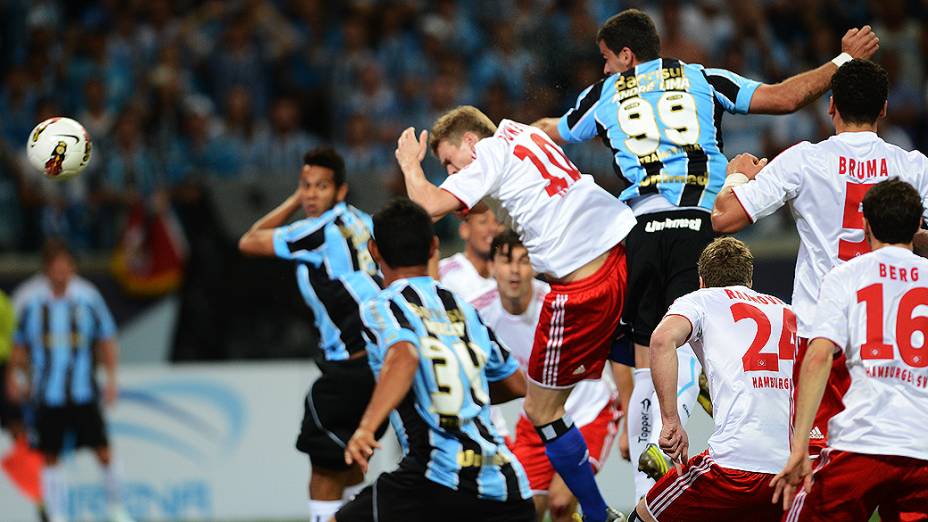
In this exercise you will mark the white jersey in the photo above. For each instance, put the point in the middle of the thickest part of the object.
(564, 219)
(460, 276)
(517, 332)
(824, 184)
(746, 342)
(38, 285)
(875, 308)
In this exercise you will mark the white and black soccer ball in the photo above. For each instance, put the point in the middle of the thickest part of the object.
(59, 148)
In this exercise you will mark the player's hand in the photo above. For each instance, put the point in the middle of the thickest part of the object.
(860, 43)
(360, 448)
(110, 394)
(747, 164)
(623, 446)
(13, 391)
(674, 442)
(409, 150)
(798, 471)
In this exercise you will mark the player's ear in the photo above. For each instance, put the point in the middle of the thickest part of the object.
(868, 234)
(433, 248)
(375, 252)
(701, 284)
(464, 229)
(883, 112)
(341, 192)
(831, 106)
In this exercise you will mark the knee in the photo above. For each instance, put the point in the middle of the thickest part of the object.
(562, 507)
(540, 413)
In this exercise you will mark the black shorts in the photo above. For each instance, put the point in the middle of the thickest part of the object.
(407, 496)
(661, 252)
(332, 410)
(84, 422)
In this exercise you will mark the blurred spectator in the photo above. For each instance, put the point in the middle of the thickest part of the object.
(279, 150)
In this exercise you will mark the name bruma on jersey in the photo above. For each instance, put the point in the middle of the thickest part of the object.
(862, 169)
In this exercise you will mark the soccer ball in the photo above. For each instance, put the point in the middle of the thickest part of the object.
(59, 148)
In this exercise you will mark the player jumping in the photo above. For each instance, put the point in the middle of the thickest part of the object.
(572, 229)
(661, 118)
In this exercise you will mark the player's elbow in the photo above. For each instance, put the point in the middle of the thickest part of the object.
(250, 244)
(664, 339)
(776, 99)
(723, 223)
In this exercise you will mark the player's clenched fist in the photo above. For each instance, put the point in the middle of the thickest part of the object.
(360, 448)
(409, 150)
(747, 164)
(860, 43)
(674, 442)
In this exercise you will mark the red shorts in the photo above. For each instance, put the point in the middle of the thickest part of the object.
(530, 450)
(849, 486)
(707, 491)
(832, 400)
(577, 325)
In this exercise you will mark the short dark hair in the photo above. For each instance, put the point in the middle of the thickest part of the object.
(403, 232)
(726, 262)
(329, 158)
(894, 211)
(54, 248)
(633, 29)
(859, 89)
(505, 242)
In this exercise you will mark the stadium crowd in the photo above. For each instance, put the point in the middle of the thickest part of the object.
(179, 95)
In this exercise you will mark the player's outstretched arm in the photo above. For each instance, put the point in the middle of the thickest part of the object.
(728, 215)
(508, 389)
(796, 92)
(812, 380)
(671, 333)
(17, 363)
(396, 378)
(108, 355)
(409, 154)
(549, 126)
(259, 240)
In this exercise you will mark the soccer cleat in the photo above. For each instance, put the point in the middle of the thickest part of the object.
(611, 516)
(653, 462)
(703, 398)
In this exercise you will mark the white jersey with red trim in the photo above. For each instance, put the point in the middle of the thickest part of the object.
(824, 184)
(746, 341)
(564, 219)
(875, 308)
(517, 332)
(460, 276)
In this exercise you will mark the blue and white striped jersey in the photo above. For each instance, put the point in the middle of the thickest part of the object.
(662, 120)
(335, 273)
(444, 423)
(60, 336)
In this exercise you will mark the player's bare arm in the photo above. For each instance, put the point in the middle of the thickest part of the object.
(812, 379)
(510, 388)
(108, 355)
(920, 243)
(259, 240)
(671, 333)
(549, 126)
(18, 362)
(728, 216)
(798, 91)
(396, 378)
(410, 152)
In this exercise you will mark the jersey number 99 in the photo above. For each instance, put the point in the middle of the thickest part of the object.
(677, 111)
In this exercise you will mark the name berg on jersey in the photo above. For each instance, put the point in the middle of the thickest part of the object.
(862, 169)
(898, 274)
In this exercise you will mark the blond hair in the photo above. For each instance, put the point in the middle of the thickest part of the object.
(454, 123)
(726, 262)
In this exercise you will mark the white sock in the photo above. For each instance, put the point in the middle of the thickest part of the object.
(641, 409)
(112, 484)
(54, 492)
(323, 510)
(352, 491)
(688, 370)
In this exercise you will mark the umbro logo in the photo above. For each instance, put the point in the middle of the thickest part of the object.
(580, 369)
(816, 433)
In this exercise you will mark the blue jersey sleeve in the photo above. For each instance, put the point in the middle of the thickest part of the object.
(579, 123)
(386, 322)
(300, 241)
(500, 364)
(105, 325)
(732, 91)
(21, 334)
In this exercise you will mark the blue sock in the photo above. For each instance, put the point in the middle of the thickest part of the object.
(570, 457)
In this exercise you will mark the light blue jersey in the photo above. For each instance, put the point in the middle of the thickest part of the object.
(60, 336)
(444, 423)
(335, 273)
(662, 120)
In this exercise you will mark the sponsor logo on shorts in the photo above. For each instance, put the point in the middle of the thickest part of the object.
(580, 369)
(666, 224)
(816, 433)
